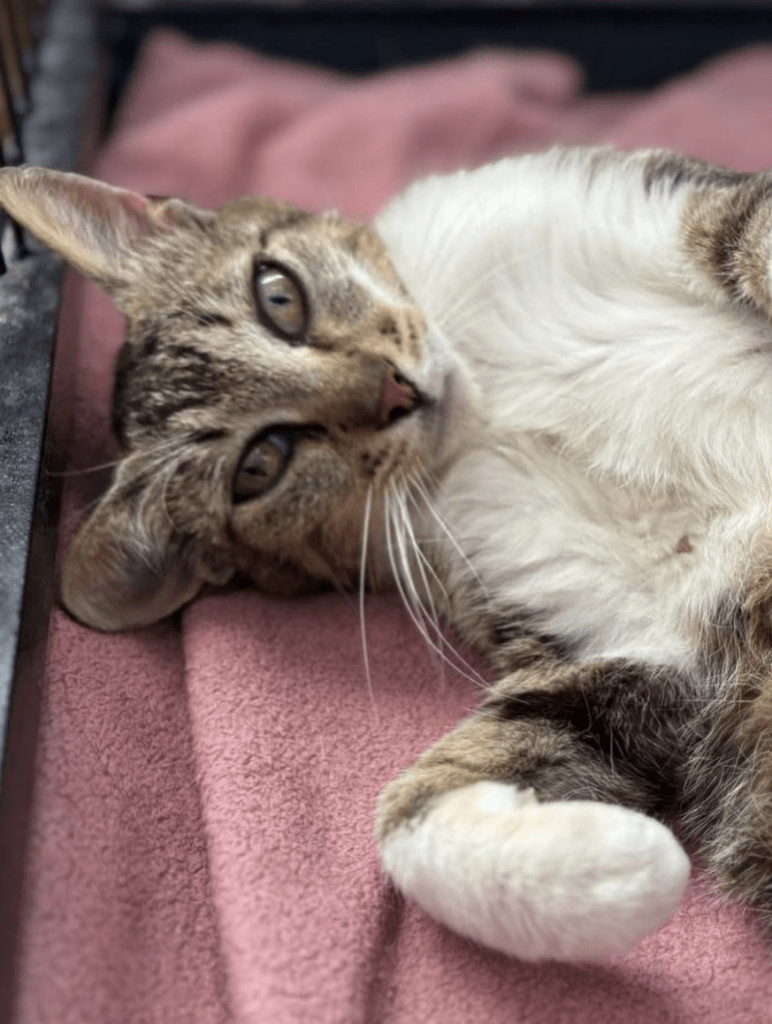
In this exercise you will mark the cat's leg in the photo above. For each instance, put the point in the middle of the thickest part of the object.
(727, 789)
(527, 827)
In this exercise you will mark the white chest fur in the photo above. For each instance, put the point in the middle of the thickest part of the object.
(621, 465)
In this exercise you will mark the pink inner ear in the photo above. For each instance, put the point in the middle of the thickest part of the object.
(134, 201)
(142, 219)
(120, 211)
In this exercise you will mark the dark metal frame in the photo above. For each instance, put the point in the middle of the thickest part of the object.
(633, 45)
(49, 125)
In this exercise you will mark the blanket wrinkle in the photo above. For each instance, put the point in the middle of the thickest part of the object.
(202, 845)
(334, 158)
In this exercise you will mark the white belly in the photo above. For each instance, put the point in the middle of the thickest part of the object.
(609, 571)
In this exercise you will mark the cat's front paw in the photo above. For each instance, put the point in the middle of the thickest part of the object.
(570, 880)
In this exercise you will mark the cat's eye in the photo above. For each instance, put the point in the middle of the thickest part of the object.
(263, 464)
(280, 300)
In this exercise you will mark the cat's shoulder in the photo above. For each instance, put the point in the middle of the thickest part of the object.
(600, 172)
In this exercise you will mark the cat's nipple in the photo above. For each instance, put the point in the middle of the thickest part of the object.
(399, 398)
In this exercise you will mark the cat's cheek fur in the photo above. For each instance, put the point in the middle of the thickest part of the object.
(574, 881)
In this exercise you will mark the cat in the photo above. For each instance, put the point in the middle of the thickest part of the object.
(536, 398)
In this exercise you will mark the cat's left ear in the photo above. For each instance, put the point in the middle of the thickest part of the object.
(95, 227)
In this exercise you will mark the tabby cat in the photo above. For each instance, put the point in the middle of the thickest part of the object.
(537, 399)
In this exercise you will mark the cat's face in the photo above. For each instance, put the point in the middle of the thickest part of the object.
(276, 379)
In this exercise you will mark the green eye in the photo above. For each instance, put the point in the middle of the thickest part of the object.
(262, 465)
(280, 300)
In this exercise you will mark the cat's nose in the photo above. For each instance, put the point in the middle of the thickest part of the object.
(399, 397)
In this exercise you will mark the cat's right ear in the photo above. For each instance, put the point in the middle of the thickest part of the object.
(97, 228)
(127, 567)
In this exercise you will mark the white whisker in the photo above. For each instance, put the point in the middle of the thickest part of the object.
(399, 560)
(400, 576)
(451, 313)
(87, 469)
(431, 617)
(446, 530)
(362, 583)
(419, 551)
(155, 455)
(165, 481)
(422, 562)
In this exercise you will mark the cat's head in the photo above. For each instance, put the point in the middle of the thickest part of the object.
(275, 370)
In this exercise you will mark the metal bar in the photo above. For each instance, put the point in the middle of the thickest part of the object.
(33, 438)
(60, 120)
(19, 241)
(15, 38)
(10, 139)
(22, 16)
(9, 123)
(9, 39)
(3, 223)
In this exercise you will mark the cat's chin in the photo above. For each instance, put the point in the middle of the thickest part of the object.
(450, 414)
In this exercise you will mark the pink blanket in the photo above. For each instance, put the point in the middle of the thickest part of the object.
(202, 845)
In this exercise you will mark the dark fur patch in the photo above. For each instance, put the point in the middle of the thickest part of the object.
(207, 318)
(372, 461)
(179, 376)
(189, 354)
(631, 715)
(150, 344)
(132, 489)
(389, 328)
(204, 436)
(725, 230)
(124, 368)
(288, 218)
(668, 171)
(201, 317)
(156, 413)
(740, 631)
(726, 241)
(514, 640)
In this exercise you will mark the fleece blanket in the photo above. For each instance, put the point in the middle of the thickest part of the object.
(201, 844)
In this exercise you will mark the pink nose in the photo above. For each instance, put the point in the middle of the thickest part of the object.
(398, 398)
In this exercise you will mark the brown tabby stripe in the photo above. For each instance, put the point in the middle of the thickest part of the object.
(631, 714)
(669, 171)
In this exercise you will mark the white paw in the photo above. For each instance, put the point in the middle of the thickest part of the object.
(569, 880)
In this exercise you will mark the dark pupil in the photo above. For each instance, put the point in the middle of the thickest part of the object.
(269, 456)
(263, 465)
